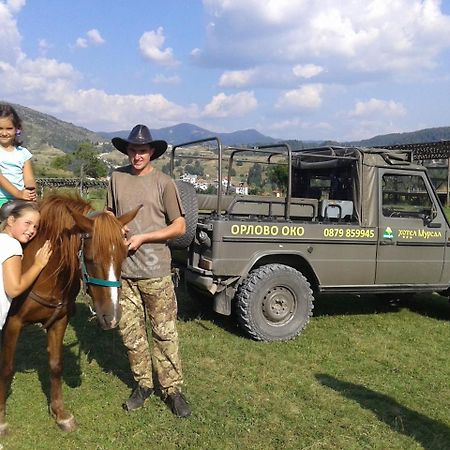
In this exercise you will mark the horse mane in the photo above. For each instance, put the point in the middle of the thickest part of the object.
(57, 225)
(107, 238)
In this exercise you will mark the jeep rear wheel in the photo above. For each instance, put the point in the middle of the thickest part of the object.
(274, 303)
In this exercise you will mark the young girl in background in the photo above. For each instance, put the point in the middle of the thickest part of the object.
(19, 226)
(16, 173)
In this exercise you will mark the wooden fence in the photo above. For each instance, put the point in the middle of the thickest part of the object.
(82, 185)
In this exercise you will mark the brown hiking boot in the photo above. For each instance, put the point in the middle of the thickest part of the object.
(178, 404)
(137, 398)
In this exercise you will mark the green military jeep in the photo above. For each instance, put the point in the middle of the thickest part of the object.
(353, 220)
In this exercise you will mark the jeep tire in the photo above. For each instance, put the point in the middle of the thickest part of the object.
(274, 303)
(190, 204)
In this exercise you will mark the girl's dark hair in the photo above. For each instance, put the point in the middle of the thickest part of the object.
(16, 208)
(8, 111)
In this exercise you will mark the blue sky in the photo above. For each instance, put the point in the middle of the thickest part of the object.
(294, 69)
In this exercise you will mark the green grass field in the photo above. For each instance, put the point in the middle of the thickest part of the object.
(365, 374)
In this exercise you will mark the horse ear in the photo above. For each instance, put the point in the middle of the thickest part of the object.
(129, 216)
(82, 222)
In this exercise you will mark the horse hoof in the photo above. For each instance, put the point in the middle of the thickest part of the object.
(67, 425)
(4, 429)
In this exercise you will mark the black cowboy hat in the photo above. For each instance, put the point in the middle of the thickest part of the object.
(140, 135)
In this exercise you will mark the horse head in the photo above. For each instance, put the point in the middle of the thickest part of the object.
(102, 252)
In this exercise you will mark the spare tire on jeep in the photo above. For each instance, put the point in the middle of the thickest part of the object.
(190, 204)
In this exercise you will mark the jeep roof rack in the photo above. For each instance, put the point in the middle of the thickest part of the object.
(424, 150)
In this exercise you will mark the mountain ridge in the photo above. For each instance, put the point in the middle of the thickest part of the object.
(184, 132)
(42, 130)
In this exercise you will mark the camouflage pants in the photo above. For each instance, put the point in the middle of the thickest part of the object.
(153, 299)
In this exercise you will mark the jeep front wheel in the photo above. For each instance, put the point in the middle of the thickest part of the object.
(274, 303)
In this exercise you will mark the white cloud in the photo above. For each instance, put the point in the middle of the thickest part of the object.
(235, 105)
(267, 76)
(15, 5)
(94, 106)
(307, 70)
(298, 124)
(92, 37)
(9, 35)
(237, 78)
(265, 47)
(151, 43)
(196, 53)
(34, 76)
(368, 128)
(374, 107)
(360, 36)
(50, 86)
(95, 37)
(269, 12)
(81, 43)
(43, 46)
(307, 96)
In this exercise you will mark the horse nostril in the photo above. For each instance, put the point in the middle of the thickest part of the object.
(109, 322)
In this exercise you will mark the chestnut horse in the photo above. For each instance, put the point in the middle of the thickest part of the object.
(86, 246)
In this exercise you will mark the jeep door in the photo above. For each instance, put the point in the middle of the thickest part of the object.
(412, 230)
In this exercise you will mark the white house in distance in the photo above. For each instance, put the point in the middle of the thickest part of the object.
(195, 181)
(202, 185)
(242, 189)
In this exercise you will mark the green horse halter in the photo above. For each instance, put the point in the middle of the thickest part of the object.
(86, 278)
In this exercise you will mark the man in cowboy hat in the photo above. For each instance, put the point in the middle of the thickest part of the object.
(147, 290)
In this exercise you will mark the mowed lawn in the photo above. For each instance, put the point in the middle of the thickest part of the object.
(364, 374)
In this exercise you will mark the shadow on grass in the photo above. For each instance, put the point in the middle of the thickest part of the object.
(429, 305)
(196, 307)
(105, 347)
(348, 304)
(31, 355)
(431, 434)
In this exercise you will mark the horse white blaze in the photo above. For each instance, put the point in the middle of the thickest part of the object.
(114, 291)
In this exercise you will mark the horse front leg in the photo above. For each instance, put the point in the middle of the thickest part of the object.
(55, 335)
(10, 335)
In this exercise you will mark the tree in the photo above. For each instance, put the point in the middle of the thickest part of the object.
(166, 168)
(195, 169)
(255, 176)
(278, 176)
(188, 168)
(83, 162)
(199, 170)
(61, 162)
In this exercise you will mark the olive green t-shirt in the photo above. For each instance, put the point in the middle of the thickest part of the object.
(161, 202)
